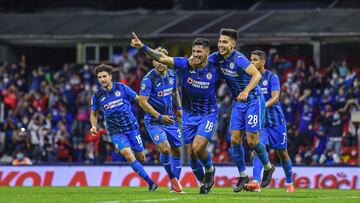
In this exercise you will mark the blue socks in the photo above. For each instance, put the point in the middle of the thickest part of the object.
(139, 169)
(287, 166)
(176, 166)
(207, 162)
(239, 157)
(263, 155)
(257, 168)
(165, 160)
(197, 168)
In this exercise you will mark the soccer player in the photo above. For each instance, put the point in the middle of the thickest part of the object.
(113, 99)
(248, 106)
(156, 98)
(199, 103)
(275, 124)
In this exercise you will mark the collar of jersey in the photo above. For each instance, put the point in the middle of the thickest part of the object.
(231, 56)
(112, 88)
(158, 74)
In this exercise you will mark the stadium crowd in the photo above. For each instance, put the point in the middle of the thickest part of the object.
(44, 112)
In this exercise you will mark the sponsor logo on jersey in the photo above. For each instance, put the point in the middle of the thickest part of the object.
(198, 84)
(165, 92)
(113, 104)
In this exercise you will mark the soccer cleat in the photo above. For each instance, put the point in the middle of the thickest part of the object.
(290, 188)
(209, 180)
(153, 187)
(175, 185)
(240, 184)
(253, 186)
(267, 176)
(203, 190)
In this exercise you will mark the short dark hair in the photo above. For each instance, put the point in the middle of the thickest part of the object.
(162, 50)
(261, 54)
(230, 33)
(103, 67)
(201, 41)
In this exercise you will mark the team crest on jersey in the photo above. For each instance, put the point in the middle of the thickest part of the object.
(117, 93)
(209, 76)
(171, 81)
(232, 65)
(265, 82)
(143, 86)
(156, 138)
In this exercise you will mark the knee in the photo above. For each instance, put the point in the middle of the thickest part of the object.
(283, 155)
(252, 143)
(164, 148)
(129, 156)
(176, 152)
(141, 158)
(196, 149)
(236, 140)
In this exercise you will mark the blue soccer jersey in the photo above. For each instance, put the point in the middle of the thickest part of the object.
(198, 87)
(159, 89)
(116, 106)
(269, 83)
(233, 71)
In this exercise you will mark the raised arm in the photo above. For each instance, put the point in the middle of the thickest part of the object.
(160, 57)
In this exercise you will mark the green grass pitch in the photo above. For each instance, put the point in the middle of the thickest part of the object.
(140, 194)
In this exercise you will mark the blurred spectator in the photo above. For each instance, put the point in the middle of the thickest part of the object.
(21, 159)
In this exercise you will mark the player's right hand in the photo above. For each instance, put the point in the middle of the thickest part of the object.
(93, 130)
(135, 41)
(167, 119)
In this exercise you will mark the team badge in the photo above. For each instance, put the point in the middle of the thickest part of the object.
(265, 82)
(117, 93)
(232, 65)
(143, 86)
(156, 138)
(171, 81)
(209, 76)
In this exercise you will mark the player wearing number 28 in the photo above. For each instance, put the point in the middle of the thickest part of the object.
(248, 107)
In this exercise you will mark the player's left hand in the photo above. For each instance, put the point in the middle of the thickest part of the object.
(242, 96)
(179, 114)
